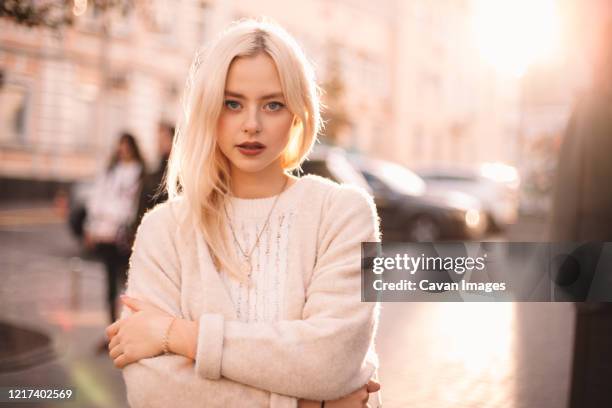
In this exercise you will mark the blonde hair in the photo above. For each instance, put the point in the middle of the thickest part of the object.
(197, 170)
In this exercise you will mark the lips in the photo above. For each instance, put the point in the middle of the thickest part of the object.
(251, 145)
(250, 148)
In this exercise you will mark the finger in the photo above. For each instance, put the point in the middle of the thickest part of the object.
(133, 303)
(115, 351)
(114, 341)
(120, 361)
(359, 392)
(373, 386)
(365, 396)
(113, 329)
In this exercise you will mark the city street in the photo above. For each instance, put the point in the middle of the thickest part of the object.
(432, 355)
(460, 126)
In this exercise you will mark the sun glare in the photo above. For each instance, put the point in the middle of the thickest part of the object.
(511, 35)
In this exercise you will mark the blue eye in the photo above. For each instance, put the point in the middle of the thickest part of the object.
(231, 104)
(274, 106)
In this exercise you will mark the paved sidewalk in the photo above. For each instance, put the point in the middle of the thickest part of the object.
(46, 287)
(475, 355)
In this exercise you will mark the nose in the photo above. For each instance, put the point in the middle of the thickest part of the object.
(252, 123)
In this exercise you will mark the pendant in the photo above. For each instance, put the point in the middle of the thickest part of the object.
(246, 267)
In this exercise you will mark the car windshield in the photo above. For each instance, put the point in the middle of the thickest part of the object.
(398, 178)
(336, 167)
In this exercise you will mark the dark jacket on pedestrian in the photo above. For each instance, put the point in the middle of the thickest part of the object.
(152, 192)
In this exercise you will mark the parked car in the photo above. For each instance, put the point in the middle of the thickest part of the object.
(332, 163)
(409, 212)
(406, 212)
(496, 185)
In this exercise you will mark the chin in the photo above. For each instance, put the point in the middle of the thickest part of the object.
(254, 166)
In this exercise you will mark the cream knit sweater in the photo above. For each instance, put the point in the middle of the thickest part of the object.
(322, 347)
(261, 301)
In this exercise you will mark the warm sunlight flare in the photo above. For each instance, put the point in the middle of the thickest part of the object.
(482, 335)
(511, 35)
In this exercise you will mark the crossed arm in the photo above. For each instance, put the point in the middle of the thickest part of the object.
(142, 335)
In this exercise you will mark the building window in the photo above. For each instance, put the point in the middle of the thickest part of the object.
(202, 19)
(160, 18)
(84, 115)
(13, 109)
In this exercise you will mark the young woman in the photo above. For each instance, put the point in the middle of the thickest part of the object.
(244, 288)
(111, 210)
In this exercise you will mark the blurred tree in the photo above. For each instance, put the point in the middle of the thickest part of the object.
(56, 13)
(334, 114)
(37, 13)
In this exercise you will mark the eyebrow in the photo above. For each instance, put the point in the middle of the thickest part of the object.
(268, 96)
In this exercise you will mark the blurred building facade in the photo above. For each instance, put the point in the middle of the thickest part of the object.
(411, 85)
(450, 106)
(65, 95)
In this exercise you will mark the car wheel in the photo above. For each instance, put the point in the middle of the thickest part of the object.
(423, 228)
(493, 226)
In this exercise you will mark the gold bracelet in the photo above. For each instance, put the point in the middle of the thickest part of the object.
(167, 337)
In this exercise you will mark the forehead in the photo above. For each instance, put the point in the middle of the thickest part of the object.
(253, 75)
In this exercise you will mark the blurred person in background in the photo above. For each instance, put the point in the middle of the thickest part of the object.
(244, 287)
(582, 212)
(111, 211)
(153, 192)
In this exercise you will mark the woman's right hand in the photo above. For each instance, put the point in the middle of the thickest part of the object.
(356, 399)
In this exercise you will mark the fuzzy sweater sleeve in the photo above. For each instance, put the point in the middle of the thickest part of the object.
(154, 273)
(329, 353)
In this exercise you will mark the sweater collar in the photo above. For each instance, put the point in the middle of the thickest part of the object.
(255, 208)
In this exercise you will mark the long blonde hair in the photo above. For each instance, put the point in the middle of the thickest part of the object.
(197, 170)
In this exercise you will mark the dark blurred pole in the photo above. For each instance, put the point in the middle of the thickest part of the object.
(592, 363)
(582, 211)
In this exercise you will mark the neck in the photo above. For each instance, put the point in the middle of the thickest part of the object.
(258, 185)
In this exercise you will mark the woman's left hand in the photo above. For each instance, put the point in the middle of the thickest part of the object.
(138, 336)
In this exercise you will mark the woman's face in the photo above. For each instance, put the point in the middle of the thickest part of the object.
(254, 125)
(125, 151)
